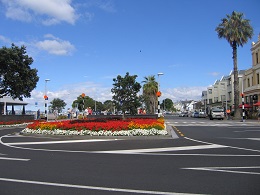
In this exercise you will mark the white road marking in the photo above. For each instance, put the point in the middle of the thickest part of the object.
(19, 159)
(169, 149)
(59, 142)
(244, 131)
(151, 151)
(247, 149)
(99, 188)
(215, 124)
(227, 169)
(255, 139)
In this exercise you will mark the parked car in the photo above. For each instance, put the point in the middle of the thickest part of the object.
(195, 114)
(202, 115)
(183, 114)
(216, 113)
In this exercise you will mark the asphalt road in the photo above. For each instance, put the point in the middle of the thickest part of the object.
(201, 157)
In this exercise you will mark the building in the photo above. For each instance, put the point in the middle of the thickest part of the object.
(7, 105)
(7, 110)
(221, 93)
(251, 78)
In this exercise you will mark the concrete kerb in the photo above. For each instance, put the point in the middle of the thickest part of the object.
(171, 132)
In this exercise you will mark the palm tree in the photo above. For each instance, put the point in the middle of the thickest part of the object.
(236, 30)
(150, 88)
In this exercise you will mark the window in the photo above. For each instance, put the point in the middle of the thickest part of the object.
(256, 57)
(246, 98)
(248, 82)
(215, 99)
(210, 91)
(257, 77)
(210, 101)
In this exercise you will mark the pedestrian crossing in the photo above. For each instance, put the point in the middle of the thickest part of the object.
(212, 123)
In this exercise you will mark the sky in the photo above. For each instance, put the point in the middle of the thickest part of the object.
(81, 45)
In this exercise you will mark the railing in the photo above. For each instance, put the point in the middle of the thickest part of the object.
(6, 118)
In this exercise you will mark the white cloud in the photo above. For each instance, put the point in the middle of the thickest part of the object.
(5, 39)
(49, 12)
(183, 93)
(70, 93)
(107, 6)
(98, 92)
(56, 46)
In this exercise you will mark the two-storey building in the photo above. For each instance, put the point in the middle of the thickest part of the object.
(251, 78)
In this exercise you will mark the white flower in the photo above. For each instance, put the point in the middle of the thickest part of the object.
(133, 132)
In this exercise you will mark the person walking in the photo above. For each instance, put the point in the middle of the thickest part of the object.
(228, 113)
(258, 114)
(38, 114)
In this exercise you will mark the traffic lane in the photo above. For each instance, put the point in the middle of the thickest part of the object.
(170, 146)
(132, 171)
(112, 171)
(42, 188)
(50, 143)
(244, 137)
(142, 172)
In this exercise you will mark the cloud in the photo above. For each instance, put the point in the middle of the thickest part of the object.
(56, 46)
(101, 93)
(69, 93)
(107, 6)
(183, 93)
(49, 12)
(5, 39)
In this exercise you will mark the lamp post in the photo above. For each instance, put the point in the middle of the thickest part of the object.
(225, 91)
(46, 100)
(243, 102)
(159, 93)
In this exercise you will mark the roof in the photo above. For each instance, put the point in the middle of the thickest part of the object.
(239, 72)
(11, 101)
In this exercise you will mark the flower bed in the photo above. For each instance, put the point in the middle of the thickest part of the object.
(99, 127)
(14, 123)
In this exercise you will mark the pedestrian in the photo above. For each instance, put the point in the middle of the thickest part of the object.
(69, 113)
(86, 112)
(258, 113)
(89, 111)
(38, 114)
(55, 112)
(140, 111)
(228, 113)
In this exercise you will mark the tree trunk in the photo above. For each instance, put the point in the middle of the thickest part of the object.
(236, 82)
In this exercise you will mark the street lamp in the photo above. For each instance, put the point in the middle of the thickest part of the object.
(226, 94)
(243, 102)
(159, 93)
(46, 100)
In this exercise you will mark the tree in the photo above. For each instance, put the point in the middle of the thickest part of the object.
(17, 79)
(83, 102)
(108, 105)
(167, 104)
(236, 30)
(125, 93)
(150, 88)
(57, 104)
